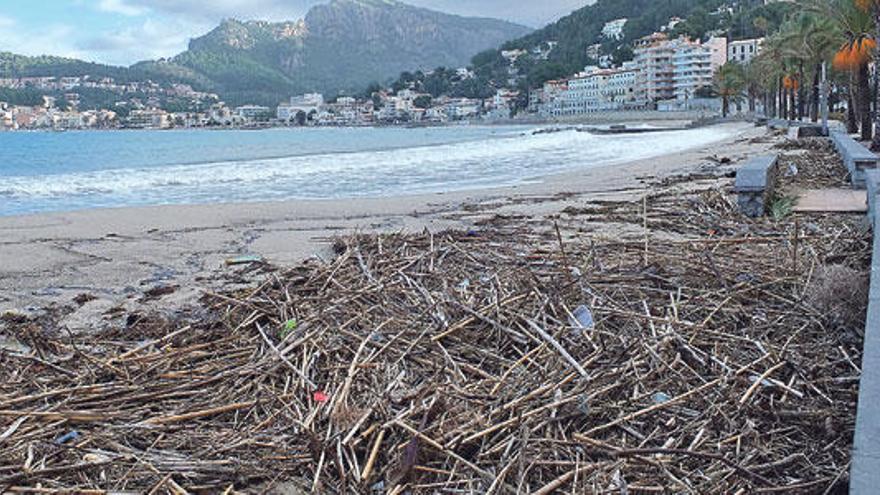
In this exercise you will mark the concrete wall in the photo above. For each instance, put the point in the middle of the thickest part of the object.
(865, 471)
(856, 157)
(616, 117)
(755, 184)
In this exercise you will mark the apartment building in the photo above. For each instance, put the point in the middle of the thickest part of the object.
(656, 75)
(252, 112)
(694, 65)
(744, 51)
(598, 90)
(676, 68)
(149, 119)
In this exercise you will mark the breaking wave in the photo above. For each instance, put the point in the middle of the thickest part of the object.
(507, 159)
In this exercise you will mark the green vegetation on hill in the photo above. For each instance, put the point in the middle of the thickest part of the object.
(26, 97)
(441, 81)
(167, 71)
(12, 65)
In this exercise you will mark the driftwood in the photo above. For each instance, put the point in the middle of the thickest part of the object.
(448, 363)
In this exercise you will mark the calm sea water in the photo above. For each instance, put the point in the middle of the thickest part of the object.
(42, 172)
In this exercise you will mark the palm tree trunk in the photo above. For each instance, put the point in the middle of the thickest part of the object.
(865, 103)
(875, 145)
(814, 103)
(774, 99)
(852, 124)
(781, 112)
(802, 94)
(783, 104)
(725, 106)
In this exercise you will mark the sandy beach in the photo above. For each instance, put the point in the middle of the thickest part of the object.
(616, 313)
(115, 255)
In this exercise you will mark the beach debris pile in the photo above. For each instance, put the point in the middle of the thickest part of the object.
(470, 362)
(810, 163)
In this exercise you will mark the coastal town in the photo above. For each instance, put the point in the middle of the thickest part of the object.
(667, 74)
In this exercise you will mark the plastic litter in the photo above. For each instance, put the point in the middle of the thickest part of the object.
(583, 318)
(244, 260)
(67, 437)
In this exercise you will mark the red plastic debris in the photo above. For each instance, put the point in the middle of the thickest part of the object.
(320, 396)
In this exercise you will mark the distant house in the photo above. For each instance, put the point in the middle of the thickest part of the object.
(613, 30)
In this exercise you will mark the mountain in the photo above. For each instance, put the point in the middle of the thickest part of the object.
(340, 46)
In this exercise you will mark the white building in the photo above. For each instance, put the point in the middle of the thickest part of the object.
(149, 119)
(614, 29)
(436, 114)
(220, 114)
(462, 108)
(464, 73)
(598, 90)
(744, 51)
(512, 55)
(672, 24)
(694, 65)
(676, 69)
(252, 112)
(653, 55)
(6, 120)
(307, 103)
(551, 97)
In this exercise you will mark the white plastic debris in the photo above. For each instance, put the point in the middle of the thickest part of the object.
(582, 318)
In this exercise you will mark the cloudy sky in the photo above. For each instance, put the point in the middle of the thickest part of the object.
(125, 31)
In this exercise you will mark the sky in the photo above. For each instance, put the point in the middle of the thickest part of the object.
(122, 32)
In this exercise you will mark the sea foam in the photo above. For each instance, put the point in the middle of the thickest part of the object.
(508, 159)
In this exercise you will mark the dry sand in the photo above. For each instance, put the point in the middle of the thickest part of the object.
(117, 254)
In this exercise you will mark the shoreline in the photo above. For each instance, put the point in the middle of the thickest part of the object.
(618, 117)
(117, 253)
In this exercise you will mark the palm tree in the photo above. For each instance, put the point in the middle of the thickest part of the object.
(808, 40)
(873, 6)
(855, 55)
(755, 83)
(730, 80)
(858, 45)
(770, 67)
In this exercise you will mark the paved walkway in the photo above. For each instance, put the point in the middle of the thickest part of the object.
(832, 200)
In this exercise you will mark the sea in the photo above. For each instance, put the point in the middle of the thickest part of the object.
(65, 171)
